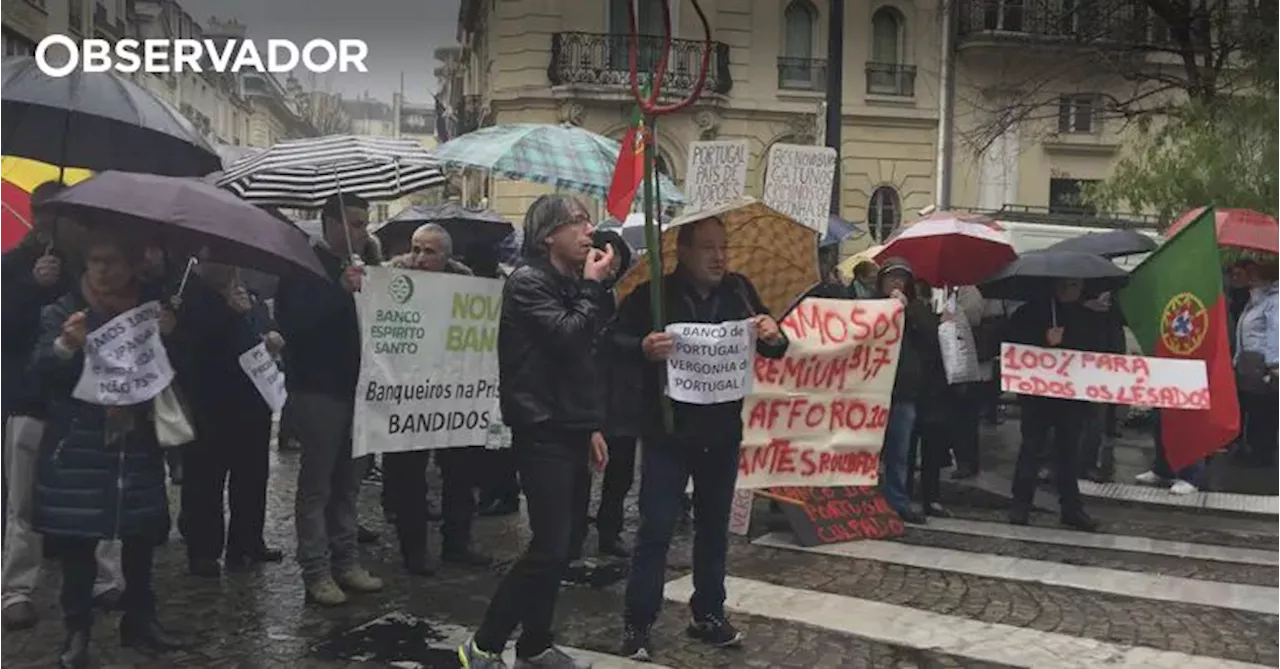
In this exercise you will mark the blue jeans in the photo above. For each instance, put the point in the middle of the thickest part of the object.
(667, 464)
(897, 444)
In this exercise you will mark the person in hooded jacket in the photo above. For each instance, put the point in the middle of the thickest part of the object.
(896, 280)
(1058, 320)
(36, 274)
(549, 396)
(620, 384)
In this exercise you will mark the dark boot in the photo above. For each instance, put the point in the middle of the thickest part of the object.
(465, 556)
(413, 549)
(75, 650)
(146, 634)
(1079, 520)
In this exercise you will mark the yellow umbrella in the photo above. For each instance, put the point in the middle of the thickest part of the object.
(776, 253)
(27, 174)
(846, 266)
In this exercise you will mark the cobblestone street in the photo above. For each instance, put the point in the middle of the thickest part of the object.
(823, 610)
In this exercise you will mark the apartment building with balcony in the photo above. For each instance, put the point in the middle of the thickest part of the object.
(244, 109)
(1039, 89)
(567, 61)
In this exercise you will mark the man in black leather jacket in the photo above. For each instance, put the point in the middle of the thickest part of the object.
(550, 398)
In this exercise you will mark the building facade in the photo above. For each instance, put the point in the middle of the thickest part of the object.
(567, 61)
(244, 109)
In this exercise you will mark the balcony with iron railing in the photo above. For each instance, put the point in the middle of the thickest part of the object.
(891, 79)
(1120, 22)
(802, 74)
(590, 59)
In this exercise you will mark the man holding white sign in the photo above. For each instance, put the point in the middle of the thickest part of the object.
(1055, 321)
(707, 357)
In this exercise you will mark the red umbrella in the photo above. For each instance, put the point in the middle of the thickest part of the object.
(1238, 228)
(15, 220)
(948, 248)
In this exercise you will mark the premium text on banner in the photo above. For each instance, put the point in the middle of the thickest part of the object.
(816, 417)
(429, 361)
(1105, 378)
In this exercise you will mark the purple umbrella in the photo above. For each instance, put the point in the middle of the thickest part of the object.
(186, 215)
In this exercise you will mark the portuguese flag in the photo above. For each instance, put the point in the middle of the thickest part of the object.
(629, 171)
(1175, 307)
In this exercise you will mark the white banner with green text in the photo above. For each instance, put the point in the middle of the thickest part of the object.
(429, 361)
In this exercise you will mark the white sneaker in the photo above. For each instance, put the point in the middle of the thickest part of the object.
(1149, 478)
(1181, 487)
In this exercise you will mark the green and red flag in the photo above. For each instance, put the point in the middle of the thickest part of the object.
(628, 173)
(1175, 307)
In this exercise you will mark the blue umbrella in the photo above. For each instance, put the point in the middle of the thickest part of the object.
(840, 230)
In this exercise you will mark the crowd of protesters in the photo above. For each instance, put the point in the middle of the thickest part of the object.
(89, 482)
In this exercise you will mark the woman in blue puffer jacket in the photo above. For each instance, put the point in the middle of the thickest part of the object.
(101, 471)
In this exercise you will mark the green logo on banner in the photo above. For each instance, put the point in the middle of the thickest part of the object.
(400, 289)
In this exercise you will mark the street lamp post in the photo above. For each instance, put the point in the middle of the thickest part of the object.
(835, 91)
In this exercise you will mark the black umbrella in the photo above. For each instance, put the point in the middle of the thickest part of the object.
(98, 121)
(186, 215)
(1031, 276)
(469, 228)
(1111, 244)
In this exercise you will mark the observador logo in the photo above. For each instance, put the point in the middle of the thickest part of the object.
(160, 56)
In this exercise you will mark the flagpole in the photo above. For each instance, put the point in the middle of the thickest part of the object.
(653, 245)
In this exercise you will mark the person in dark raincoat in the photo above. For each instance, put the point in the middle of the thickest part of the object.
(101, 472)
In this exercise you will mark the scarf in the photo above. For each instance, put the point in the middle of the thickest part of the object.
(109, 305)
(120, 420)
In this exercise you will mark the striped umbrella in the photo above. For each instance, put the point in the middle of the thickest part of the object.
(305, 173)
(565, 156)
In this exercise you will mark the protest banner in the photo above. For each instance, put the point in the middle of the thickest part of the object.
(836, 514)
(429, 361)
(716, 173)
(711, 363)
(1105, 378)
(125, 362)
(816, 417)
(798, 182)
(261, 368)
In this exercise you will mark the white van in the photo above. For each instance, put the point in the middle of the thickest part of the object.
(1036, 236)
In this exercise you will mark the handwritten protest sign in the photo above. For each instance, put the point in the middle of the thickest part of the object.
(816, 417)
(716, 174)
(837, 514)
(124, 360)
(429, 366)
(261, 368)
(711, 363)
(740, 512)
(1106, 378)
(798, 183)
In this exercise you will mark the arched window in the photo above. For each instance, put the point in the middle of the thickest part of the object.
(796, 66)
(800, 19)
(886, 36)
(888, 73)
(884, 213)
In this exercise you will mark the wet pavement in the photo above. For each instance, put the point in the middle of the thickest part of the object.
(259, 619)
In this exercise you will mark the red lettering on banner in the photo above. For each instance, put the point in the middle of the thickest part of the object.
(1098, 377)
(834, 326)
(781, 456)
